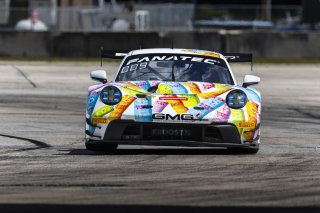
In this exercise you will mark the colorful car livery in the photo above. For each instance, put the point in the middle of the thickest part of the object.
(174, 97)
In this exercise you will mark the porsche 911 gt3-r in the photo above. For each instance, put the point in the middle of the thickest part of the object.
(174, 97)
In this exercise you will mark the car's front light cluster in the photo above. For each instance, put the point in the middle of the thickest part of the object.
(236, 99)
(110, 95)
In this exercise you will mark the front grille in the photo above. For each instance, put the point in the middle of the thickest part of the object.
(132, 132)
(172, 132)
(133, 129)
(178, 131)
(212, 132)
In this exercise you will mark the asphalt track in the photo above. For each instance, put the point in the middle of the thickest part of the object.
(43, 159)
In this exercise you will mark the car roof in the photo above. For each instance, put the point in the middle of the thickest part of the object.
(177, 51)
(196, 52)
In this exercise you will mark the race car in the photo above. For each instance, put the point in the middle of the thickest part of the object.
(173, 97)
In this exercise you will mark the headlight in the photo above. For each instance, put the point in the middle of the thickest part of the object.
(236, 99)
(110, 95)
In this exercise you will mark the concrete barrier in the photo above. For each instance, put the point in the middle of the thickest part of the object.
(271, 45)
(25, 44)
(78, 44)
(88, 45)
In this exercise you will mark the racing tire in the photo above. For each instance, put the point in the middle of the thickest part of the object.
(101, 147)
(251, 150)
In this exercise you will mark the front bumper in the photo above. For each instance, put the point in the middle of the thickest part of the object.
(171, 134)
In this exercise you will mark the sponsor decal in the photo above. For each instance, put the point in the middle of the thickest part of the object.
(96, 121)
(173, 98)
(246, 124)
(143, 61)
(179, 117)
(171, 132)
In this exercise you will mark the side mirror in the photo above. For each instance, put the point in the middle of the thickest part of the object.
(99, 75)
(250, 80)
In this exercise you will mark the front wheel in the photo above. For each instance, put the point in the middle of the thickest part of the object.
(249, 150)
(101, 147)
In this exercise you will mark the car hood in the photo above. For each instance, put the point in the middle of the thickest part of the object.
(202, 89)
(155, 101)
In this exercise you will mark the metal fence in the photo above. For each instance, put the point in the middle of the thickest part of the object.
(248, 12)
(109, 17)
(4, 11)
(238, 16)
(159, 16)
(168, 16)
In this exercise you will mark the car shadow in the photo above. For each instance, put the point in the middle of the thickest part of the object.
(152, 151)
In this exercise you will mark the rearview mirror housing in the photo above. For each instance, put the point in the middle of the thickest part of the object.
(99, 75)
(249, 80)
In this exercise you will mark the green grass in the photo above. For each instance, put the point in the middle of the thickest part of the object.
(209, 12)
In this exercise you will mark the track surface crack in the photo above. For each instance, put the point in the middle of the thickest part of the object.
(25, 76)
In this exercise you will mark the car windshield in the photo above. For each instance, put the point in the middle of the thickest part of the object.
(182, 68)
